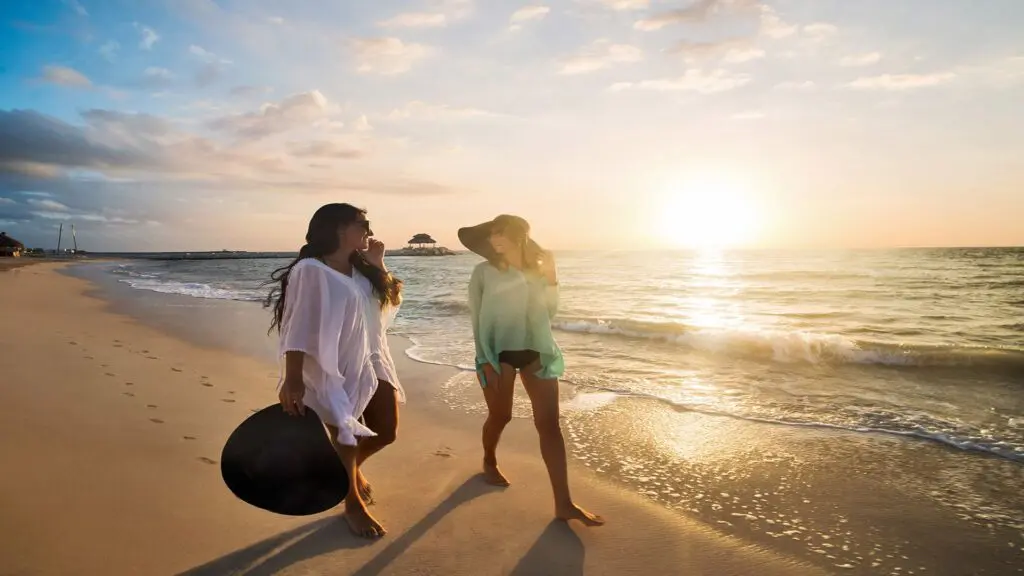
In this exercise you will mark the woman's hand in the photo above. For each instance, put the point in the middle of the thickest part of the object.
(548, 269)
(375, 253)
(490, 375)
(291, 395)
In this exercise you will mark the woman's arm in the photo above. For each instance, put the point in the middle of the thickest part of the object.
(476, 294)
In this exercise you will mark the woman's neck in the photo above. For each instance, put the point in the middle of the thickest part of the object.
(514, 260)
(339, 261)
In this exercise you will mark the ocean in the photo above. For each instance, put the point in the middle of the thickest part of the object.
(921, 346)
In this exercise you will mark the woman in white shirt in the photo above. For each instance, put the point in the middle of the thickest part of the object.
(320, 312)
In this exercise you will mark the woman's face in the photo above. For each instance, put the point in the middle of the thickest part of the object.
(501, 243)
(356, 235)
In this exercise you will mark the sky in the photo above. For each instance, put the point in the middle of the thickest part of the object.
(608, 124)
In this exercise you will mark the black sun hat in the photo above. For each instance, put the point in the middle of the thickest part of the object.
(284, 464)
(478, 238)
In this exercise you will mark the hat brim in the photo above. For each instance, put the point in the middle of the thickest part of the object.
(284, 464)
(477, 239)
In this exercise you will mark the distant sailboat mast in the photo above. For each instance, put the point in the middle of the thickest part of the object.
(74, 237)
(60, 234)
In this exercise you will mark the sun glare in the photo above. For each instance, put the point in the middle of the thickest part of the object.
(707, 213)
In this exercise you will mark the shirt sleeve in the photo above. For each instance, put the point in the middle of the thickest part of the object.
(546, 293)
(311, 317)
(476, 293)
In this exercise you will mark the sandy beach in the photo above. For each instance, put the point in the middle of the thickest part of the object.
(110, 434)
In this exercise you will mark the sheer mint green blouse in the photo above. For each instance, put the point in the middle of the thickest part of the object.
(512, 310)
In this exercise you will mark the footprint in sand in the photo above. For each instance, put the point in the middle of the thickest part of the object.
(104, 365)
(207, 384)
(231, 391)
(189, 437)
(156, 421)
(88, 357)
(228, 400)
(73, 343)
(129, 383)
(152, 358)
(118, 346)
(175, 369)
(129, 394)
(445, 452)
(206, 460)
(111, 374)
(151, 406)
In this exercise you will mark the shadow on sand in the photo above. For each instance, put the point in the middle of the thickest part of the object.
(327, 535)
(558, 551)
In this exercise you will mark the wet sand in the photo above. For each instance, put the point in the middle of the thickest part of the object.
(110, 435)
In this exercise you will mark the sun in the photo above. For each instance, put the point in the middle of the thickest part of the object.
(707, 213)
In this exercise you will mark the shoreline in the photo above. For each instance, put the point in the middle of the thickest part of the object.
(120, 468)
(841, 500)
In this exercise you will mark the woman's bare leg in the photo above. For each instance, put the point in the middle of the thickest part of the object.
(381, 416)
(498, 393)
(544, 398)
(358, 517)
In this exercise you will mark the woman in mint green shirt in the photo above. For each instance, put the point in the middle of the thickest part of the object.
(512, 298)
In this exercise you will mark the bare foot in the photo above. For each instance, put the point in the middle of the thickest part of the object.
(494, 476)
(364, 488)
(574, 512)
(361, 523)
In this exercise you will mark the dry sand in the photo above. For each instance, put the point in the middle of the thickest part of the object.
(110, 436)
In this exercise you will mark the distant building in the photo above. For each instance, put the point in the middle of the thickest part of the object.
(9, 247)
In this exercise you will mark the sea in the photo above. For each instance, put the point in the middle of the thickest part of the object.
(917, 345)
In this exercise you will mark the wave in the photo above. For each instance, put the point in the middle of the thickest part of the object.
(792, 347)
(194, 289)
(892, 424)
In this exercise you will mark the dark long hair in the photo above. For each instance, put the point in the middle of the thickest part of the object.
(322, 240)
(518, 230)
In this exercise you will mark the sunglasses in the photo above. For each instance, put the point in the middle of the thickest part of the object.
(365, 225)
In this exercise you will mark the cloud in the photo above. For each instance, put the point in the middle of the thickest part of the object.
(156, 77)
(77, 7)
(861, 60)
(275, 20)
(698, 11)
(902, 82)
(732, 51)
(245, 91)
(149, 37)
(65, 76)
(600, 54)
(741, 55)
(773, 26)
(417, 110)
(820, 31)
(805, 86)
(294, 111)
(325, 149)
(109, 50)
(625, 5)
(442, 14)
(363, 124)
(527, 14)
(47, 204)
(387, 56)
(205, 55)
(694, 80)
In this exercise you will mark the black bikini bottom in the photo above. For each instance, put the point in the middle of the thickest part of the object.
(518, 359)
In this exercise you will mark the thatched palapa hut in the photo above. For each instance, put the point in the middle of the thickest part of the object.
(420, 240)
(9, 247)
